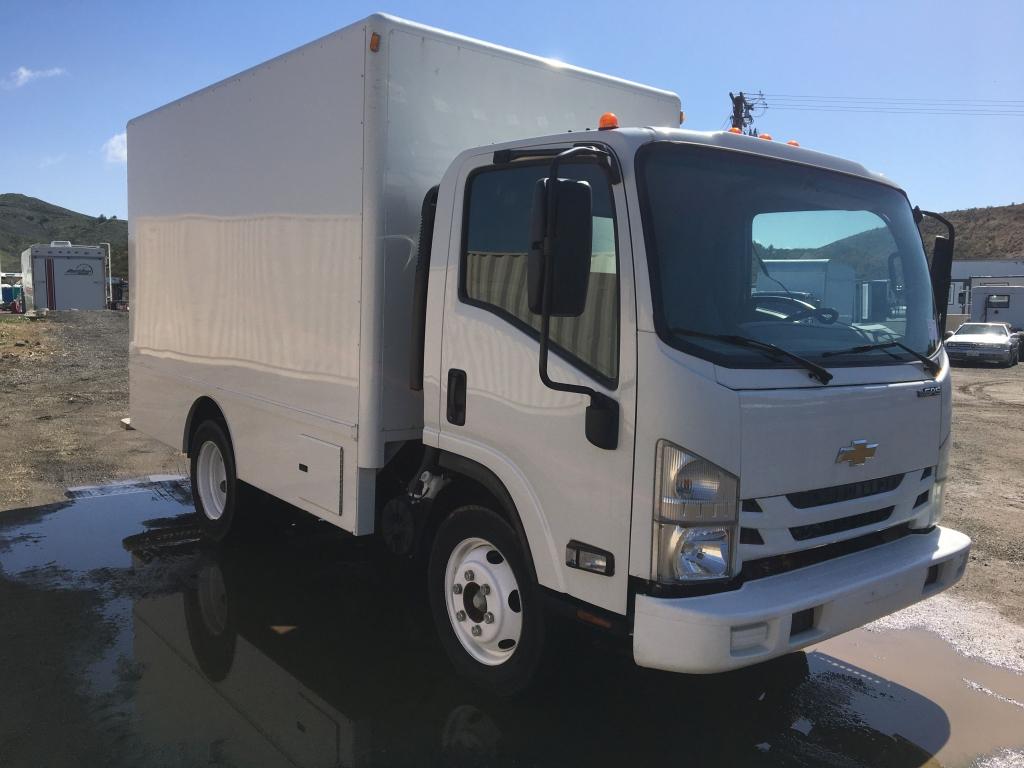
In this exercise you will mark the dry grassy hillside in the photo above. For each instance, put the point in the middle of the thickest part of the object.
(26, 220)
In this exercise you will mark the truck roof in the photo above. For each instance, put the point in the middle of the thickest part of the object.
(631, 138)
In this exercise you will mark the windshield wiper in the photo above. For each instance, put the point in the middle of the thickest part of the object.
(932, 366)
(815, 370)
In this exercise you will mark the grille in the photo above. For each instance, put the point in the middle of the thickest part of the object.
(776, 564)
(826, 527)
(848, 492)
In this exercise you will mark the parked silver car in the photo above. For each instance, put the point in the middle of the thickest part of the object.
(984, 343)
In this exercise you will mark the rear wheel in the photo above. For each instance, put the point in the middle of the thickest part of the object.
(485, 601)
(215, 487)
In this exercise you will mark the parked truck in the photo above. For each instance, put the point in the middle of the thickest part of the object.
(497, 362)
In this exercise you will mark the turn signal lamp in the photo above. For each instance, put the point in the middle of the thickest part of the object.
(793, 143)
(765, 136)
(608, 121)
(375, 42)
(734, 129)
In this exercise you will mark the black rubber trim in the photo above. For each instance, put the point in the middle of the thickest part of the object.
(847, 492)
(419, 291)
(473, 470)
(840, 524)
(774, 565)
(567, 607)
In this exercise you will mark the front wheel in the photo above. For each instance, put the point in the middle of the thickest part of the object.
(485, 601)
(215, 487)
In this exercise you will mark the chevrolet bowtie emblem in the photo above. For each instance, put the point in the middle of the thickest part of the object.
(857, 452)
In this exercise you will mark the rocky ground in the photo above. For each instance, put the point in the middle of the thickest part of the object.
(63, 392)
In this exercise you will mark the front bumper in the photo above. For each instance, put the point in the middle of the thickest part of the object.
(735, 629)
(980, 355)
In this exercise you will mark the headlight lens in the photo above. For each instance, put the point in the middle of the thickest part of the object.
(695, 515)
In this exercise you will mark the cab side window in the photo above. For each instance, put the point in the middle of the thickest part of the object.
(494, 255)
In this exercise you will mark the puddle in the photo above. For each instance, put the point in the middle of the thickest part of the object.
(304, 647)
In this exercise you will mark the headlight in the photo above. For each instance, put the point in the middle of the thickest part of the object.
(695, 517)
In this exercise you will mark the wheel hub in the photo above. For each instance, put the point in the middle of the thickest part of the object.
(212, 480)
(484, 604)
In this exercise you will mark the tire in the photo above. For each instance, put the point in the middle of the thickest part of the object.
(479, 583)
(215, 486)
(210, 622)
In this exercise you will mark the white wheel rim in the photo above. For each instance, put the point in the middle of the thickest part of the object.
(212, 479)
(484, 601)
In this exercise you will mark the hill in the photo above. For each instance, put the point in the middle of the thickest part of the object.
(26, 220)
(983, 233)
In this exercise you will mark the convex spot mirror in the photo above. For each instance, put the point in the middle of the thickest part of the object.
(562, 220)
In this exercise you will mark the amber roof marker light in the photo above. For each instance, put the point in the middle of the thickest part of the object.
(734, 129)
(793, 143)
(608, 121)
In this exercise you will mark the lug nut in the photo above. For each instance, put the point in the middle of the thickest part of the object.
(468, 575)
(476, 630)
(457, 589)
(460, 616)
(485, 589)
(488, 618)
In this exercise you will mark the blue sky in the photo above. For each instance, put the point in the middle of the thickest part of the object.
(72, 73)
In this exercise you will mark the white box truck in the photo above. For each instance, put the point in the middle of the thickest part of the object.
(64, 276)
(394, 279)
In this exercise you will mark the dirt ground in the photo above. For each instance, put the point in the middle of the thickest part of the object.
(63, 392)
(65, 389)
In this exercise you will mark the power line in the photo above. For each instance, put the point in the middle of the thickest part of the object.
(879, 110)
(894, 99)
(949, 107)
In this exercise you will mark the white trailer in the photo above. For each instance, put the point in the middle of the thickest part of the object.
(720, 482)
(64, 276)
(998, 304)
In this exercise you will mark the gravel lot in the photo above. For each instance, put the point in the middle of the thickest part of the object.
(64, 392)
(66, 388)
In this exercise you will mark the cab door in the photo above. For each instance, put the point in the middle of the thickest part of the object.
(494, 408)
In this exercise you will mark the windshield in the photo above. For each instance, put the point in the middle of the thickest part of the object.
(813, 261)
(980, 330)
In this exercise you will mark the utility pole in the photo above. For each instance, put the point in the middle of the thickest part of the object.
(742, 116)
(739, 103)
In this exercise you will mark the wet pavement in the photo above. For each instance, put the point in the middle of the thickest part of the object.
(126, 641)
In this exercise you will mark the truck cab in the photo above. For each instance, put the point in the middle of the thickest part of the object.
(778, 472)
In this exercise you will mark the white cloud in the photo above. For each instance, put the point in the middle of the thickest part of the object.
(48, 161)
(23, 76)
(115, 149)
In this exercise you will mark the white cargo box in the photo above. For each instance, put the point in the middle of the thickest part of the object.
(273, 220)
(64, 276)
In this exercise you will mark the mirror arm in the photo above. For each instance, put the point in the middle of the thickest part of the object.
(602, 420)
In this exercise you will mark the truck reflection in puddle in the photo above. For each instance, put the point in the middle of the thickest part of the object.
(302, 646)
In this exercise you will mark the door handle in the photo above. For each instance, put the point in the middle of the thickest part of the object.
(456, 396)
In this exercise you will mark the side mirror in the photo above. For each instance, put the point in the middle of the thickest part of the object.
(947, 335)
(561, 230)
(942, 268)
